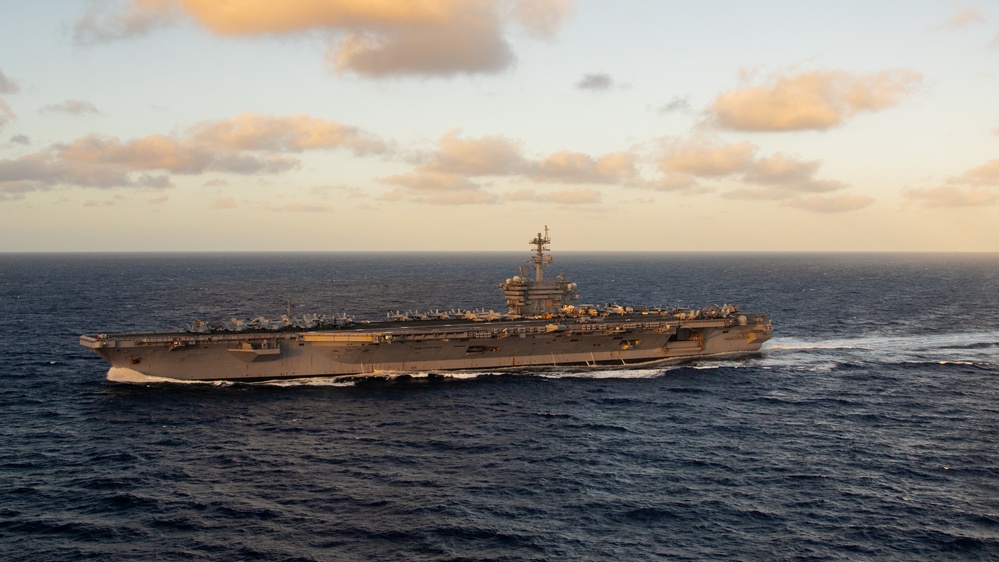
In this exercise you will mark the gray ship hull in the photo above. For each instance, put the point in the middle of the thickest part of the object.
(542, 328)
(425, 347)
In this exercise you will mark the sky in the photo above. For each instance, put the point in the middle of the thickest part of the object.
(428, 125)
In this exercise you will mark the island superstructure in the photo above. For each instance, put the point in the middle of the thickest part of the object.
(541, 328)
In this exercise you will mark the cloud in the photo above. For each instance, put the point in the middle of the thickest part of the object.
(784, 170)
(292, 133)
(154, 152)
(215, 182)
(541, 18)
(521, 195)
(949, 196)
(470, 45)
(575, 167)
(73, 107)
(676, 105)
(43, 168)
(337, 191)
(8, 86)
(246, 144)
(595, 82)
(11, 191)
(484, 156)
(431, 181)
(436, 188)
(154, 182)
(963, 17)
(459, 197)
(582, 196)
(815, 100)
(781, 168)
(132, 19)
(5, 114)
(159, 200)
(20, 139)
(305, 208)
(776, 177)
(985, 175)
(830, 204)
(502, 156)
(759, 193)
(457, 163)
(704, 159)
(678, 183)
(107, 203)
(369, 38)
(224, 203)
(452, 173)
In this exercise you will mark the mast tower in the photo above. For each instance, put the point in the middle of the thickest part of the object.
(526, 297)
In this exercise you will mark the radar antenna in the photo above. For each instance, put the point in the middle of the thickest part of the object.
(538, 298)
(540, 260)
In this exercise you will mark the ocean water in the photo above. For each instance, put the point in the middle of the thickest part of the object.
(866, 429)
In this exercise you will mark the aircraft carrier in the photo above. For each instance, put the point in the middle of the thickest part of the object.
(543, 327)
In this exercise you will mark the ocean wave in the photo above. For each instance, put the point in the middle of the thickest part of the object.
(944, 348)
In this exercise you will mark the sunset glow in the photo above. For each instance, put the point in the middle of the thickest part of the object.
(250, 125)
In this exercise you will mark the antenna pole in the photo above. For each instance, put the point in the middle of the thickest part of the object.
(540, 247)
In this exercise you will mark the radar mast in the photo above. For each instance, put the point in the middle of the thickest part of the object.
(540, 260)
(538, 297)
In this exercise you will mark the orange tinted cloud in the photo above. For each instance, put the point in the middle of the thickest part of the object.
(830, 204)
(431, 181)
(540, 18)
(704, 159)
(41, 170)
(963, 17)
(147, 153)
(484, 156)
(784, 170)
(582, 196)
(5, 114)
(778, 177)
(292, 133)
(575, 167)
(810, 100)
(471, 44)
(252, 17)
(223, 204)
(435, 188)
(305, 208)
(371, 37)
(501, 156)
(985, 175)
(952, 197)
(247, 144)
(445, 176)
(758, 193)
(7, 86)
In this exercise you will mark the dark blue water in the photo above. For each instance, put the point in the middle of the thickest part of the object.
(866, 430)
